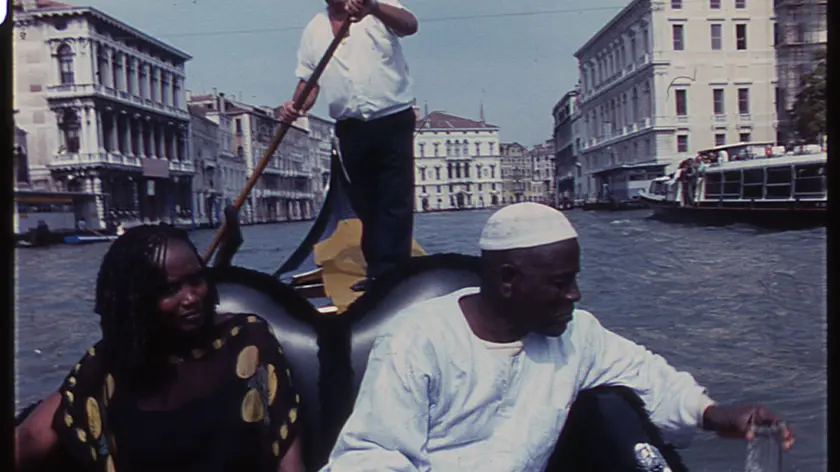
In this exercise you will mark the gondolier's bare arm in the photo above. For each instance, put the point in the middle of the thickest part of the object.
(401, 21)
(310, 100)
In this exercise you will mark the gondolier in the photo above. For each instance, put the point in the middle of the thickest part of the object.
(368, 89)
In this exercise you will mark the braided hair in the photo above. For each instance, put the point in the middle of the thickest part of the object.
(130, 281)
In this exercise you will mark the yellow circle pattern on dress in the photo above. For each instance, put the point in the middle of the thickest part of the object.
(93, 454)
(198, 353)
(252, 319)
(275, 448)
(70, 397)
(109, 387)
(217, 344)
(68, 420)
(293, 415)
(81, 435)
(76, 368)
(92, 352)
(93, 417)
(253, 409)
(297, 398)
(234, 331)
(246, 363)
(284, 431)
(109, 465)
(289, 374)
(71, 381)
(272, 384)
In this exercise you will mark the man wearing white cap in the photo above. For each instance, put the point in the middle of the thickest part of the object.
(483, 378)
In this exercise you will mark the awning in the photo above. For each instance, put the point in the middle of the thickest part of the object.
(626, 167)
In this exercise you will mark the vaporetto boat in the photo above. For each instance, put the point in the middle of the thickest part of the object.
(756, 186)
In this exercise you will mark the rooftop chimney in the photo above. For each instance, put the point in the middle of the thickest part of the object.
(222, 103)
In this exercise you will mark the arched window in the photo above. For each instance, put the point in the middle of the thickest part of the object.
(65, 64)
(240, 152)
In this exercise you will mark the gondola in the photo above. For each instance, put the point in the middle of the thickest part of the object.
(328, 342)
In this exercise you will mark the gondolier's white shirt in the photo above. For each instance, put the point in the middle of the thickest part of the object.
(437, 398)
(368, 77)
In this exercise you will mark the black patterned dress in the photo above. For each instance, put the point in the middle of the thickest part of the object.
(230, 407)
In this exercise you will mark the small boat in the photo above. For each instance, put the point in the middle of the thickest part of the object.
(327, 332)
(761, 185)
(85, 239)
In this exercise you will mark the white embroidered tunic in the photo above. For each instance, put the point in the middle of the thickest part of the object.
(436, 397)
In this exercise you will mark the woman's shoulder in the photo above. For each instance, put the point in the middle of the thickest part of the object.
(246, 328)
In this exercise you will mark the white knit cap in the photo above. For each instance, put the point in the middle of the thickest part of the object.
(524, 225)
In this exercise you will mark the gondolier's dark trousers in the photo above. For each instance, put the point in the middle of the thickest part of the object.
(379, 158)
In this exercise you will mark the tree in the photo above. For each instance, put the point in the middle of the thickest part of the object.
(809, 109)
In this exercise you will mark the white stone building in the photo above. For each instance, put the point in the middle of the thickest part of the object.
(105, 110)
(457, 162)
(665, 78)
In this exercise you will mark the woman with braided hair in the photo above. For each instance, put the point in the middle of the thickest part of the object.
(172, 384)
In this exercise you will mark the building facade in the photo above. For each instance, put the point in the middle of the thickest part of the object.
(457, 163)
(227, 173)
(321, 142)
(205, 149)
(801, 35)
(541, 186)
(105, 110)
(665, 78)
(566, 169)
(516, 172)
(284, 191)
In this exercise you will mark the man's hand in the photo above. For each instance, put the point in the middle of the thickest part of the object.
(288, 112)
(358, 9)
(737, 421)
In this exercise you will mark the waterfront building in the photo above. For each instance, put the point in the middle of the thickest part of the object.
(457, 163)
(104, 107)
(516, 172)
(566, 146)
(800, 35)
(665, 78)
(321, 142)
(226, 172)
(284, 191)
(541, 186)
(204, 150)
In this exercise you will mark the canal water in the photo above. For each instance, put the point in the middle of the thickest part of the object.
(740, 308)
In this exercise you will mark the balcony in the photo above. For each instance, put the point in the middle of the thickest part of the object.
(68, 161)
(92, 160)
(71, 91)
(285, 194)
(612, 136)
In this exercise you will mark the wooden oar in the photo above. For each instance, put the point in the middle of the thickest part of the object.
(278, 137)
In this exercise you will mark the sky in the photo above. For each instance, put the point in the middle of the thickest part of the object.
(517, 57)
